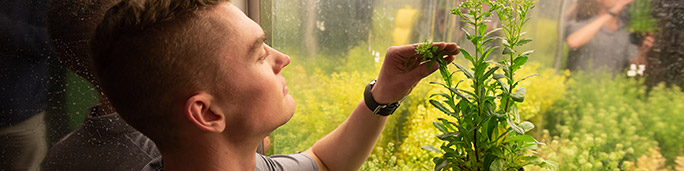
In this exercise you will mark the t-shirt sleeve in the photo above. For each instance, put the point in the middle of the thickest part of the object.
(298, 162)
(570, 28)
(573, 26)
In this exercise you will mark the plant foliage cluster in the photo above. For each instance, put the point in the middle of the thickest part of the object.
(485, 130)
(640, 17)
(609, 123)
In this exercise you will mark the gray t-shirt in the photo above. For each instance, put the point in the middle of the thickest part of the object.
(607, 50)
(298, 162)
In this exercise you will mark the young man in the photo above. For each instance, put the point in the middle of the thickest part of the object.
(197, 78)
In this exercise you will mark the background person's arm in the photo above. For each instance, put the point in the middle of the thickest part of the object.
(585, 34)
(350, 144)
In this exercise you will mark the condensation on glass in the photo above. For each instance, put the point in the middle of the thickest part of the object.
(34, 84)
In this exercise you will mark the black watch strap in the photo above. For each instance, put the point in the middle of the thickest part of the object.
(378, 109)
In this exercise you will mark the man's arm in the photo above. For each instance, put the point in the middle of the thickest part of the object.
(348, 146)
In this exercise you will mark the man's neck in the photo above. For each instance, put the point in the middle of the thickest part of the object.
(211, 154)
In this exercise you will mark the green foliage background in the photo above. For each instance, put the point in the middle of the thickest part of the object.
(589, 122)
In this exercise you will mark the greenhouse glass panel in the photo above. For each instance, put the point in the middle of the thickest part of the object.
(537, 85)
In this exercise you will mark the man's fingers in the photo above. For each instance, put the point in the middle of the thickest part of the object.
(403, 51)
(423, 71)
(410, 50)
(448, 48)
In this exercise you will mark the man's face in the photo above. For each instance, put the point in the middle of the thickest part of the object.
(254, 95)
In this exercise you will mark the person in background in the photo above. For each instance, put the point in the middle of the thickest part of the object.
(197, 78)
(104, 141)
(24, 50)
(598, 40)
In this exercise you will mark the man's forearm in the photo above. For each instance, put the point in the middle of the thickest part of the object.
(586, 33)
(348, 146)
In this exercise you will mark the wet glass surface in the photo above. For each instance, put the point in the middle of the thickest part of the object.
(337, 47)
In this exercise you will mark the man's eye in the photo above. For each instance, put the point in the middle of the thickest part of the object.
(265, 54)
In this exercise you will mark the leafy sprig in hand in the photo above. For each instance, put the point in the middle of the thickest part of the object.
(432, 54)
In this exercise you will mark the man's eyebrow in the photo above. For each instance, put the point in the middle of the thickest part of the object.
(257, 43)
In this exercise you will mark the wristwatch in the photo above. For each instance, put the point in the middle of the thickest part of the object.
(378, 109)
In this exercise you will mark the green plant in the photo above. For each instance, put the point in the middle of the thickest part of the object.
(597, 125)
(640, 17)
(486, 133)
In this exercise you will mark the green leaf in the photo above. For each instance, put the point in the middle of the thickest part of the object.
(519, 94)
(466, 54)
(497, 165)
(461, 95)
(441, 94)
(431, 148)
(448, 124)
(519, 61)
(515, 127)
(549, 165)
(499, 76)
(527, 53)
(513, 111)
(526, 77)
(503, 85)
(480, 69)
(492, 31)
(440, 164)
(507, 50)
(532, 159)
(445, 86)
(447, 135)
(440, 127)
(521, 138)
(468, 35)
(490, 72)
(526, 126)
(488, 40)
(467, 72)
(465, 91)
(524, 41)
(476, 40)
(440, 106)
(486, 54)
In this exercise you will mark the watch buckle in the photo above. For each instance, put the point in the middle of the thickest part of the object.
(377, 109)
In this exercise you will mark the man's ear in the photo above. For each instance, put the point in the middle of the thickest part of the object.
(200, 112)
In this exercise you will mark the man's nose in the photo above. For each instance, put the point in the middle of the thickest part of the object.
(282, 60)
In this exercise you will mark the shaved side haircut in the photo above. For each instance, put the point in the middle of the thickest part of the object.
(151, 54)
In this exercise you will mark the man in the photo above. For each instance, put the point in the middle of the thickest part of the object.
(104, 141)
(197, 78)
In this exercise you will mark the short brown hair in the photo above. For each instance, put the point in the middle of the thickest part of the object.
(150, 54)
(71, 25)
